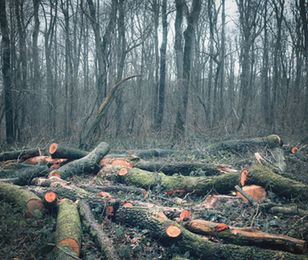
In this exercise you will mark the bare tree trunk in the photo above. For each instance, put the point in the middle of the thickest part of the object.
(120, 65)
(5, 51)
(192, 19)
(36, 68)
(162, 72)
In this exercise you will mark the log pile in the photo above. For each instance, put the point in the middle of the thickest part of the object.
(122, 188)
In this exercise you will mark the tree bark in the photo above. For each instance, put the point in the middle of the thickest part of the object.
(6, 67)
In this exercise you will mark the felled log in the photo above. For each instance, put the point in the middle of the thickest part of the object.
(246, 145)
(87, 164)
(199, 185)
(30, 203)
(96, 231)
(24, 173)
(288, 210)
(59, 151)
(184, 168)
(20, 154)
(51, 181)
(115, 188)
(247, 236)
(184, 240)
(68, 231)
(282, 186)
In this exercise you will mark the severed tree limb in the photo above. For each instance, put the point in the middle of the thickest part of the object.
(31, 204)
(282, 186)
(23, 174)
(96, 231)
(184, 168)
(247, 236)
(68, 232)
(197, 245)
(59, 151)
(87, 164)
(199, 185)
(20, 154)
(85, 137)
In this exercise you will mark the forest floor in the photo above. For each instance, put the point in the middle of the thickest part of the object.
(31, 238)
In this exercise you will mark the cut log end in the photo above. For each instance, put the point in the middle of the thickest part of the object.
(34, 208)
(53, 148)
(243, 177)
(70, 243)
(50, 197)
(127, 205)
(122, 172)
(173, 231)
(294, 150)
(55, 174)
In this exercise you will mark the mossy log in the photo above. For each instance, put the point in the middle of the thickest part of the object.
(96, 231)
(59, 151)
(25, 173)
(184, 168)
(87, 164)
(20, 154)
(199, 185)
(247, 236)
(31, 204)
(68, 231)
(282, 186)
(197, 245)
(246, 145)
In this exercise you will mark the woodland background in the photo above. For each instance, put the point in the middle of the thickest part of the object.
(208, 68)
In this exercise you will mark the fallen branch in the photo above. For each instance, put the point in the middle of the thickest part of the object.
(96, 231)
(87, 164)
(247, 236)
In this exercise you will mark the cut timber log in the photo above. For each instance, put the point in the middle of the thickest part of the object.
(246, 145)
(68, 232)
(199, 185)
(198, 246)
(87, 164)
(265, 177)
(25, 173)
(96, 231)
(184, 168)
(51, 201)
(31, 204)
(59, 151)
(247, 236)
(20, 154)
